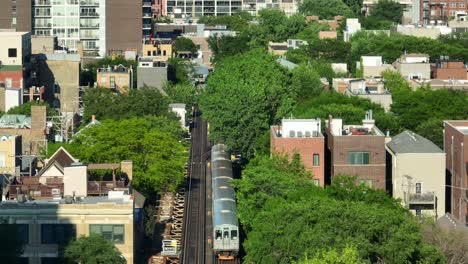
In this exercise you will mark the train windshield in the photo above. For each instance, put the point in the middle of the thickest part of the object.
(218, 234)
(226, 234)
(233, 234)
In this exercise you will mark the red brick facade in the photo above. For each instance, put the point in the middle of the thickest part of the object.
(437, 11)
(340, 146)
(456, 150)
(15, 76)
(306, 147)
(450, 70)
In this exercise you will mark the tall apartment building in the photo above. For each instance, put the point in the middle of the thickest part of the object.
(147, 17)
(16, 14)
(100, 26)
(199, 8)
(455, 146)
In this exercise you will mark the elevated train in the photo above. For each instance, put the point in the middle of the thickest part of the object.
(225, 223)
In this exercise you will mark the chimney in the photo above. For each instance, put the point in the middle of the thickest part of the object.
(126, 166)
(38, 117)
(75, 181)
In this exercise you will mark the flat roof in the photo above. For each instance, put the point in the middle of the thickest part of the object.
(10, 68)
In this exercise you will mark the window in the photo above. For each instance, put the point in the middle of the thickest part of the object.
(316, 160)
(233, 234)
(21, 231)
(418, 188)
(57, 233)
(149, 52)
(461, 5)
(453, 4)
(316, 182)
(226, 234)
(12, 53)
(418, 212)
(112, 82)
(358, 158)
(114, 233)
(218, 234)
(164, 53)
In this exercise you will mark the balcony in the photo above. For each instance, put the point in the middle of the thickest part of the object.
(42, 3)
(89, 36)
(89, 25)
(45, 25)
(89, 14)
(423, 198)
(146, 26)
(89, 3)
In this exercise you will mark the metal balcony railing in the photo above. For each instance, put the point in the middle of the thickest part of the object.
(423, 198)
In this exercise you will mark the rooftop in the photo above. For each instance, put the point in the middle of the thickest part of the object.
(10, 68)
(410, 142)
(298, 128)
(286, 63)
(114, 69)
(15, 121)
(460, 125)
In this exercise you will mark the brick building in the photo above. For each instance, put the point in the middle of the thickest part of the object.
(357, 150)
(301, 136)
(436, 11)
(455, 141)
(449, 69)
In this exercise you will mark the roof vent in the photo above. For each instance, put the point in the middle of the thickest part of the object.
(292, 133)
(68, 199)
(299, 133)
(307, 133)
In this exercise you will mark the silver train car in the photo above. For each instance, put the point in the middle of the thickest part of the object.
(225, 223)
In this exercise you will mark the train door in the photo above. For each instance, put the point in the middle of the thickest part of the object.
(226, 239)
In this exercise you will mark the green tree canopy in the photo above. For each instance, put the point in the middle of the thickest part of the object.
(349, 255)
(325, 9)
(93, 249)
(184, 44)
(25, 109)
(152, 143)
(305, 82)
(106, 105)
(287, 218)
(243, 97)
(387, 10)
(237, 22)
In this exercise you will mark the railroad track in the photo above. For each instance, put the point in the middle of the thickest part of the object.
(193, 251)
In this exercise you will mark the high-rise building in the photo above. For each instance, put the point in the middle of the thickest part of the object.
(199, 8)
(16, 14)
(99, 26)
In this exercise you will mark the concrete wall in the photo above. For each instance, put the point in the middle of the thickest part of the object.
(163, 53)
(123, 25)
(123, 80)
(42, 44)
(408, 69)
(385, 100)
(340, 146)
(21, 41)
(456, 149)
(425, 168)
(8, 152)
(66, 73)
(81, 215)
(151, 76)
(306, 147)
(372, 71)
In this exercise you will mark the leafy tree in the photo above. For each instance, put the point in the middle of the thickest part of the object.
(184, 44)
(152, 143)
(11, 246)
(305, 81)
(286, 217)
(181, 93)
(179, 70)
(274, 22)
(225, 46)
(387, 10)
(88, 76)
(325, 9)
(106, 105)
(237, 22)
(349, 255)
(93, 250)
(25, 109)
(373, 22)
(355, 6)
(311, 32)
(243, 97)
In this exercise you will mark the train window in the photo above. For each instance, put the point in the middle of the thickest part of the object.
(233, 234)
(226, 234)
(218, 234)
